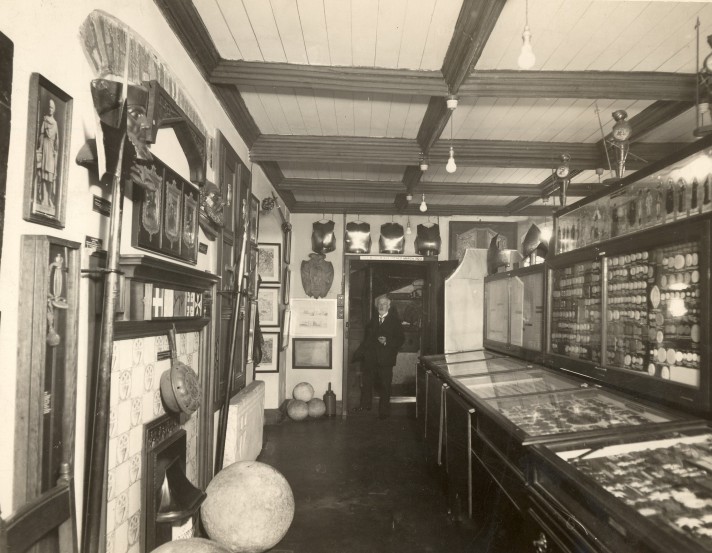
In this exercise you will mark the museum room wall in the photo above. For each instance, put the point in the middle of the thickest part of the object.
(46, 41)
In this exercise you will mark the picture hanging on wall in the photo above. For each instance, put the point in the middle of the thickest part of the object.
(311, 353)
(268, 304)
(270, 353)
(314, 317)
(166, 211)
(49, 125)
(269, 262)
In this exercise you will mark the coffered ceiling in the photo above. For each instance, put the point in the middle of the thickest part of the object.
(339, 100)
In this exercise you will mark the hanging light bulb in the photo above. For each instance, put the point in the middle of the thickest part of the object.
(451, 167)
(423, 205)
(409, 196)
(407, 228)
(526, 59)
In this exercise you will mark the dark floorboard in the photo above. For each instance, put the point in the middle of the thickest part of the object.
(362, 485)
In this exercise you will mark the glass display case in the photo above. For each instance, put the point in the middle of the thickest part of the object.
(497, 364)
(514, 312)
(633, 314)
(463, 356)
(524, 381)
(533, 418)
(649, 493)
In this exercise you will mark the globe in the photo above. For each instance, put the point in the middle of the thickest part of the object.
(249, 507)
(303, 391)
(297, 410)
(316, 407)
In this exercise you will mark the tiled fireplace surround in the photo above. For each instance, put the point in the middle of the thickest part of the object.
(135, 401)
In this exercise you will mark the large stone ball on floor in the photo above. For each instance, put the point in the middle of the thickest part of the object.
(249, 507)
(317, 407)
(192, 545)
(297, 410)
(303, 391)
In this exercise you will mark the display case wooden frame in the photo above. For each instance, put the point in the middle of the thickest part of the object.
(48, 153)
(46, 363)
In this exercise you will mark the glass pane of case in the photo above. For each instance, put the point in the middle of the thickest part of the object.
(463, 356)
(499, 364)
(576, 311)
(653, 312)
(576, 411)
(497, 304)
(668, 481)
(527, 381)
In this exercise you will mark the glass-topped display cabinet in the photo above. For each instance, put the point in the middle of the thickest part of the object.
(628, 303)
(514, 312)
(475, 366)
(640, 493)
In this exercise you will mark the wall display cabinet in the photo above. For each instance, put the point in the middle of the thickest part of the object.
(514, 312)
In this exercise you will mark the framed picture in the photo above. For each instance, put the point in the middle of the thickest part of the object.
(254, 219)
(311, 353)
(269, 262)
(166, 211)
(268, 305)
(286, 323)
(270, 353)
(285, 285)
(49, 125)
(314, 317)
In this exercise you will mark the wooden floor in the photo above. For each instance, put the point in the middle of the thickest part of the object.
(362, 485)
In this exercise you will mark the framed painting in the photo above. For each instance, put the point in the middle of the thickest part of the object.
(254, 219)
(49, 125)
(268, 305)
(269, 262)
(311, 353)
(314, 317)
(270, 353)
(478, 234)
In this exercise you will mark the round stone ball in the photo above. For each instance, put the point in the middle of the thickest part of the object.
(192, 545)
(303, 391)
(316, 407)
(297, 410)
(249, 507)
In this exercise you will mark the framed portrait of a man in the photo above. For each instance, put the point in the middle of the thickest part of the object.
(49, 125)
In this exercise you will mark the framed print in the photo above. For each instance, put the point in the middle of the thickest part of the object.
(254, 219)
(172, 206)
(268, 305)
(312, 317)
(311, 353)
(270, 354)
(286, 323)
(269, 262)
(285, 285)
(49, 125)
(189, 228)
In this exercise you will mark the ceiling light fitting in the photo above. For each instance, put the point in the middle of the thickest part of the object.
(621, 139)
(409, 196)
(526, 59)
(423, 206)
(407, 228)
(423, 163)
(451, 167)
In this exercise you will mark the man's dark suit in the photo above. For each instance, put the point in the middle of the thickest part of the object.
(379, 359)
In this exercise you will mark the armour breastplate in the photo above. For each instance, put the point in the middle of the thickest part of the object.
(358, 237)
(392, 238)
(323, 237)
(428, 240)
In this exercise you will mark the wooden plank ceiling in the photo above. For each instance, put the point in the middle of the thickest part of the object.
(339, 100)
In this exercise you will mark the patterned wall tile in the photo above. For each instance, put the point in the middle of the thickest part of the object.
(134, 530)
(121, 507)
(123, 417)
(121, 479)
(135, 468)
(121, 539)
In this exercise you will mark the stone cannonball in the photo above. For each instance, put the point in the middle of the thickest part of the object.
(192, 545)
(249, 507)
(316, 407)
(297, 410)
(303, 391)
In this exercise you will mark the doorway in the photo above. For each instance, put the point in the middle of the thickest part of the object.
(404, 282)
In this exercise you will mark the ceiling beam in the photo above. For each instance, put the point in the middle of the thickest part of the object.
(324, 77)
(471, 153)
(622, 85)
(184, 19)
(412, 209)
(442, 188)
(614, 85)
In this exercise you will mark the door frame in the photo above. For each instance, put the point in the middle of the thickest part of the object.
(371, 258)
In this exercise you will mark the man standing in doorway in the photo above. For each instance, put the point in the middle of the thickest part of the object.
(384, 337)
